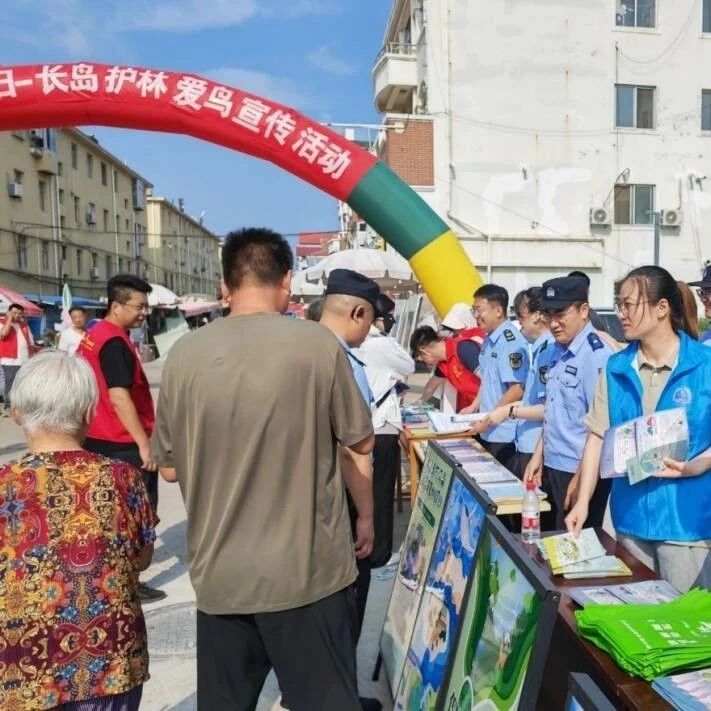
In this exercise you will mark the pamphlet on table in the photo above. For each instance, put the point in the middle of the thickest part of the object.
(646, 592)
(686, 692)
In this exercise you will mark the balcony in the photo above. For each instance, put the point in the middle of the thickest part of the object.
(395, 78)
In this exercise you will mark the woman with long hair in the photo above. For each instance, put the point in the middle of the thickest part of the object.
(664, 520)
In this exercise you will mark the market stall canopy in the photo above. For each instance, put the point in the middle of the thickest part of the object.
(8, 296)
(386, 267)
(301, 287)
(195, 308)
(162, 296)
(53, 300)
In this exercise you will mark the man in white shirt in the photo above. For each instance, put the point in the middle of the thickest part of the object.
(16, 347)
(70, 338)
(386, 365)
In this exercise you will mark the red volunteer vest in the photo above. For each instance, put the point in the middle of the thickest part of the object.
(464, 381)
(106, 424)
(8, 346)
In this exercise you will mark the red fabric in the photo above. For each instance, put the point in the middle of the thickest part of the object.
(83, 94)
(8, 345)
(106, 424)
(464, 381)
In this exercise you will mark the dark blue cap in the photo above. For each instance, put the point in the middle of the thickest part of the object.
(705, 279)
(350, 283)
(561, 292)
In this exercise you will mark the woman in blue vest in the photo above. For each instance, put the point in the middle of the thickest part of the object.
(665, 520)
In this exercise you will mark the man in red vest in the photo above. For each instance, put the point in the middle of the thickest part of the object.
(456, 359)
(16, 347)
(124, 417)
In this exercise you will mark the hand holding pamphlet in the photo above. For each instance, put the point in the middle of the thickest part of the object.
(450, 424)
(565, 549)
(639, 447)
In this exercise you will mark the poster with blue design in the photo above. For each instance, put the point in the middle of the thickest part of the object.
(438, 617)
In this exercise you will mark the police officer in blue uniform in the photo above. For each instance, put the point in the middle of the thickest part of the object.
(572, 368)
(503, 365)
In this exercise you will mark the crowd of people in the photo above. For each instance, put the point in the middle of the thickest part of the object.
(282, 435)
(550, 389)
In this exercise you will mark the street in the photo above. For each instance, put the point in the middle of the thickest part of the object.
(171, 622)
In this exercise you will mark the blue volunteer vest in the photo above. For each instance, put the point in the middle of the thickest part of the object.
(665, 509)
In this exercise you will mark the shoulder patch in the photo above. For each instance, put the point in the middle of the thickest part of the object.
(543, 374)
(509, 335)
(515, 360)
(595, 342)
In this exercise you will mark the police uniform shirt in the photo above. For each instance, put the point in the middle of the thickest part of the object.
(503, 362)
(359, 374)
(572, 375)
(528, 432)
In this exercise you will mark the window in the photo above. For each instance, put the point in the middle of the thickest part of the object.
(128, 225)
(116, 181)
(634, 106)
(94, 260)
(22, 252)
(125, 204)
(42, 195)
(90, 165)
(120, 265)
(64, 253)
(106, 220)
(706, 22)
(104, 174)
(107, 262)
(118, 223)
(61, 196)
(44, 255)
(18, 175)
(80, 261)
(634, 204)
(635, 13)
(74, 155)
(77, 210)
(62, 221)
(60, 168)
(706, 110)
(91, 214)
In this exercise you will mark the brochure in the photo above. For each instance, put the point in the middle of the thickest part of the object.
(450, 424)
(647, 592)
(607, 566)
(687, 692)
(637, 448)
(565, 549)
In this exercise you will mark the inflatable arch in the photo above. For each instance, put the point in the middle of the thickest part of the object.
(80, 94)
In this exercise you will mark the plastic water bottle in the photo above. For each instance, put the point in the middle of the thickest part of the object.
(530, 515)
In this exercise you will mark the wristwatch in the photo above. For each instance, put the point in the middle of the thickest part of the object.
(512, 412)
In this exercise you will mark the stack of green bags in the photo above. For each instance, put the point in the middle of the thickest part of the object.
(653, 640)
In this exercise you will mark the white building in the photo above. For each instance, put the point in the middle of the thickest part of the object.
(556, 128)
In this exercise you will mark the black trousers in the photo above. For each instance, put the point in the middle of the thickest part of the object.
(555, 484)
(386, 462)
(362, 583)
(312, 650)
(127, 453)
(503, 452)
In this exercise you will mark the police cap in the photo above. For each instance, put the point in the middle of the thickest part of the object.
(705, 282)
(561, 292)
(350, 283)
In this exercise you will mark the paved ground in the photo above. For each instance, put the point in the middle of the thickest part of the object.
(171, 622)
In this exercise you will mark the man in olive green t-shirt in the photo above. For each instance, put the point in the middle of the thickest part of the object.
(251, 411)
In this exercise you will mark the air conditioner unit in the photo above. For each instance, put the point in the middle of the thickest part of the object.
(671, 218)
(14, 190)
(94, 272)
(37, 151)
(600, 217)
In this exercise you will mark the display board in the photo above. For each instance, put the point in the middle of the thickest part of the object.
(508, 619)
(437, 620)
(414, 564)
(585, 695)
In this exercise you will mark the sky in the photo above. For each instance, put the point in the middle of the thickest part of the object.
(313, 55)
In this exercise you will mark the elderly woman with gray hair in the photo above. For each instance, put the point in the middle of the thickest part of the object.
(75, 530)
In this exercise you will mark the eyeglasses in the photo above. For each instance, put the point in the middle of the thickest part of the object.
(624, 307)
(704, 293)
(145, 308)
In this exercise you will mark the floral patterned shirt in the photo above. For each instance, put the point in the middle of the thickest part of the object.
(72, 525)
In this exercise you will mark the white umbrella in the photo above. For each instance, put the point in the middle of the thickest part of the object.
(374, 263)
(66, 319)
(162, 296)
